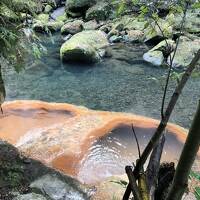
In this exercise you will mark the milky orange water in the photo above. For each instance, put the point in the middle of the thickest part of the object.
(60, 135)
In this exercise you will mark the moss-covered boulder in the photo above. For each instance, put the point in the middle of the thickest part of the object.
(72, 27)
(185, 52)
(62, 18)
(43, 17)
(79, 5)
(91, 25)
(153, 34)
(99, 11)
(8, 13)
(155, 56)
(134, 36)
(85, 46)
(45, 27)
(30, 6)
(48, 8)
(192, 24)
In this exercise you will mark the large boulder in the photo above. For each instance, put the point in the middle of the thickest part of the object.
(79, 5)
(185, 52)
(155, 56)
(28, 6)
(153, 33)
(192, 24)
(72, 27)
(86, 46)
(99, 11)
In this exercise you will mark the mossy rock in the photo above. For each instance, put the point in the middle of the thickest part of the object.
(130, 22)
(72, 27)
(30, 6)
(48, 9)
(153, 35)
(99, 11)
(192, 24)
(185, 52)
(62, 18)
(79, 5)
(8, 13)
(43, 27)
(84, 47)
(43, 17)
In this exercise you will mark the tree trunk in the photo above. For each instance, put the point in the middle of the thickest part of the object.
(186, 160)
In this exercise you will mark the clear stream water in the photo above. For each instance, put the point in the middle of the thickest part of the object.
(122, 83)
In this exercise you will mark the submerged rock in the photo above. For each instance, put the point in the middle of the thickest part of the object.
(84, 46)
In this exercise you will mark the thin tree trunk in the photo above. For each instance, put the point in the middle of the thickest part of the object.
(153, 167)
(186, 160)
(163, 123)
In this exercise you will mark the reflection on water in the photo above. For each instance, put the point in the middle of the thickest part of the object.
(110, 154)
(121, 83)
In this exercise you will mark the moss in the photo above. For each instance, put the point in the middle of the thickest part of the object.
(84, 46)
(43, 17)
(48, 9)
(45, 27)
(27, 6)
(7, 13)
(62, 18)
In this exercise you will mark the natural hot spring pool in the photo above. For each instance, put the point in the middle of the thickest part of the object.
(122, 83)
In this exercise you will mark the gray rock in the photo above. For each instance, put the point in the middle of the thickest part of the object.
(115, 39)
(185, 52)
(56, 189)
(154, 56)
(72, 27)
(30, 196)
(90, 25)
